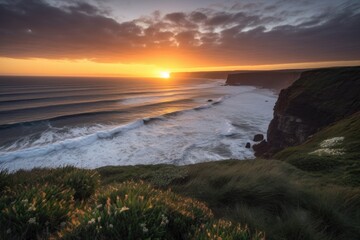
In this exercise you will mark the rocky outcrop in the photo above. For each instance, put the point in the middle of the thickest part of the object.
(317, 99)
(276, 80)
(261, 148)
(258, 137)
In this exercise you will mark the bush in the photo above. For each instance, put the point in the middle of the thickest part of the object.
(84, 182)
(4, 180)
(30, 212)
(137, 211)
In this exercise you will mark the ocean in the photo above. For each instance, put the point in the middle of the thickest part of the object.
(94, 122)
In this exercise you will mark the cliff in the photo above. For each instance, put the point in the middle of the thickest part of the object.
(317, 99)
(276, 80)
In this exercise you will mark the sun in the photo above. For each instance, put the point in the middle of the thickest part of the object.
(165, 74)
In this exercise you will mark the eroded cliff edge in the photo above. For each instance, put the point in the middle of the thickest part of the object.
(276, 80)
(318, 98)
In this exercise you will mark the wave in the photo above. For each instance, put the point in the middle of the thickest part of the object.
(201, 107)
(125, 101)
(79, 114)
(69, 143)
(89, 139)
(15, 97)
(66, 96)
(51, 91)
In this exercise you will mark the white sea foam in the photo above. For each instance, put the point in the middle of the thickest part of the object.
(212, 131)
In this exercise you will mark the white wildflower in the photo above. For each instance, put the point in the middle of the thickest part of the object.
(123, 209)
(327, 152)
(32, 208)
(144, 228)
(99, 219)
(164, 220)
(91, 221)
(32, 220)
(111, 226)
(331, 142)
(327, 147)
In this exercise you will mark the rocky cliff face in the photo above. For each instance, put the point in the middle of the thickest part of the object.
(317, 99)
(276, 80)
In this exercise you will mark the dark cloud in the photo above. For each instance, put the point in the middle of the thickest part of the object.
(198, 16)
(30, 28)
(176, 17)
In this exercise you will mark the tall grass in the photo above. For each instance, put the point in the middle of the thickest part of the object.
(276, 198)
(68, 204)
(271, 196)
(4, 180)
(217, 200)
(28, 212)
(138, 211)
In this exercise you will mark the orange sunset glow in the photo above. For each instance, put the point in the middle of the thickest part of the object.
(83, 39)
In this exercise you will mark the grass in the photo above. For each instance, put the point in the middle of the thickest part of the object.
(272, 196)
(230, 199)
(332, 96)
(69, 203)
(340, 169)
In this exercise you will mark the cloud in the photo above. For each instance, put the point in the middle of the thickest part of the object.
(78, 30)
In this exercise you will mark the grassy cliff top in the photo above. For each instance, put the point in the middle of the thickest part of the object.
(332, 152)
(330, 93)
(230, 199)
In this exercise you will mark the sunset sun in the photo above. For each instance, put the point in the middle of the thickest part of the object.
(165, 74)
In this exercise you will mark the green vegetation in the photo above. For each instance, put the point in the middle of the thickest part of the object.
(83, 182)
(342, 168)
(324, 94)
(268, 195)
(138, 211)
(66, 203)
(37, 210)
(228, 199)
(4, 180)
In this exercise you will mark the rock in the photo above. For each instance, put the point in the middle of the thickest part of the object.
(317, 99)
(266, 101)
(275, 80)
(210, 100)
(248, 145)
(258, 137)
(261, 148)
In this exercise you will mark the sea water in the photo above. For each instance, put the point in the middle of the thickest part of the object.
(94, 122)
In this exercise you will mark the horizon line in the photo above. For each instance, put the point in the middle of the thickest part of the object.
(265, 67)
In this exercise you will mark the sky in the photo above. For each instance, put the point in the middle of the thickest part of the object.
(147, 37)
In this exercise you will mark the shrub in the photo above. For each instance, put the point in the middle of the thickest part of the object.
(221, 229)
(30, 212)
(137, 211)
(4, 180)
(84, 182)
